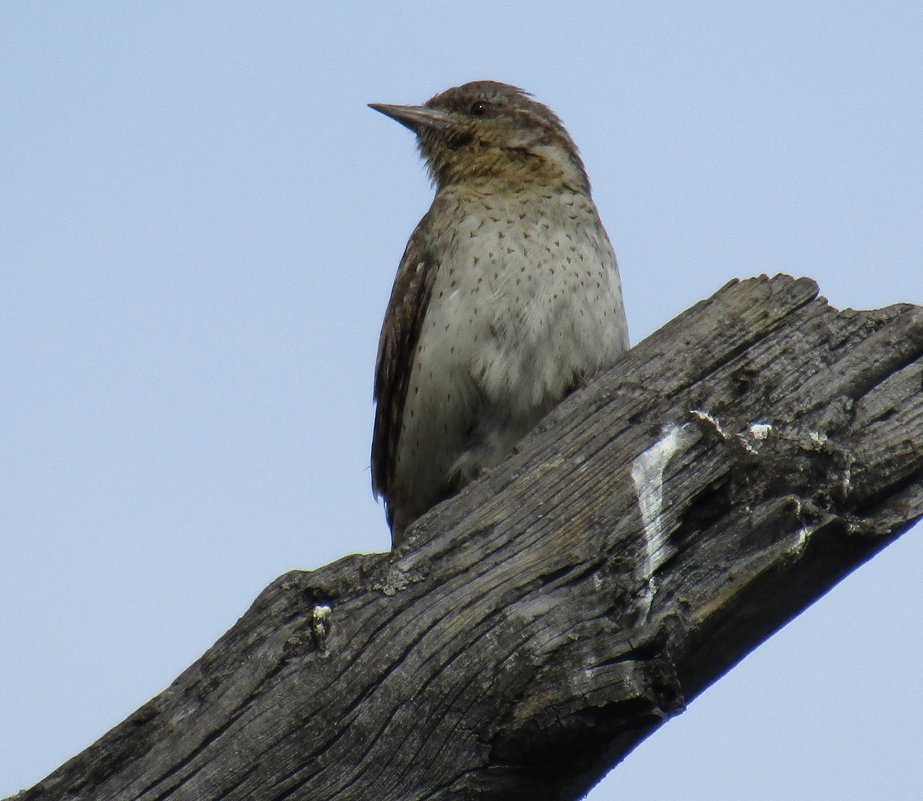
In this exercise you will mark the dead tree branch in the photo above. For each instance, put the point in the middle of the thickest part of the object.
(656, 528)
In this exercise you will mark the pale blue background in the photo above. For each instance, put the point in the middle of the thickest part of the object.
(199, 224)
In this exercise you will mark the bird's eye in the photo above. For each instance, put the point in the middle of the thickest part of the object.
(479, 108)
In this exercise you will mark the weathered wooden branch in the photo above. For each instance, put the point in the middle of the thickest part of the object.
(657, 527)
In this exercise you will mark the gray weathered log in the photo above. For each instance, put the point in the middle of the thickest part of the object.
(657, 527)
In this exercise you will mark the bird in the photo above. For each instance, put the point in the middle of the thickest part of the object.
(506, 299)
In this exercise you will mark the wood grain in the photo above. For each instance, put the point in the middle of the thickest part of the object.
(533, 630)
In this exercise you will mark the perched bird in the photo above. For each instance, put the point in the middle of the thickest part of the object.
(506, 298)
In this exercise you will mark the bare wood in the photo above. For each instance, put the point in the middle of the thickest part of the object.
(533, 630)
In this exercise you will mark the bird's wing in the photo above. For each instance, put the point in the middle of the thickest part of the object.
(396, 346)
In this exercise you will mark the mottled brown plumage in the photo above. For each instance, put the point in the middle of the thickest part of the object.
(507, 295)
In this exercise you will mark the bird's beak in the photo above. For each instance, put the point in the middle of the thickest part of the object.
(417, 118)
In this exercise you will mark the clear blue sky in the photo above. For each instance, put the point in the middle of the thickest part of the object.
(199, 225)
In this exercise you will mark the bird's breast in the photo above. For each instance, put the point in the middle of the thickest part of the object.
(526, 296)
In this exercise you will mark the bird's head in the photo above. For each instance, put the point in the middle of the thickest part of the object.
(492, 134)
